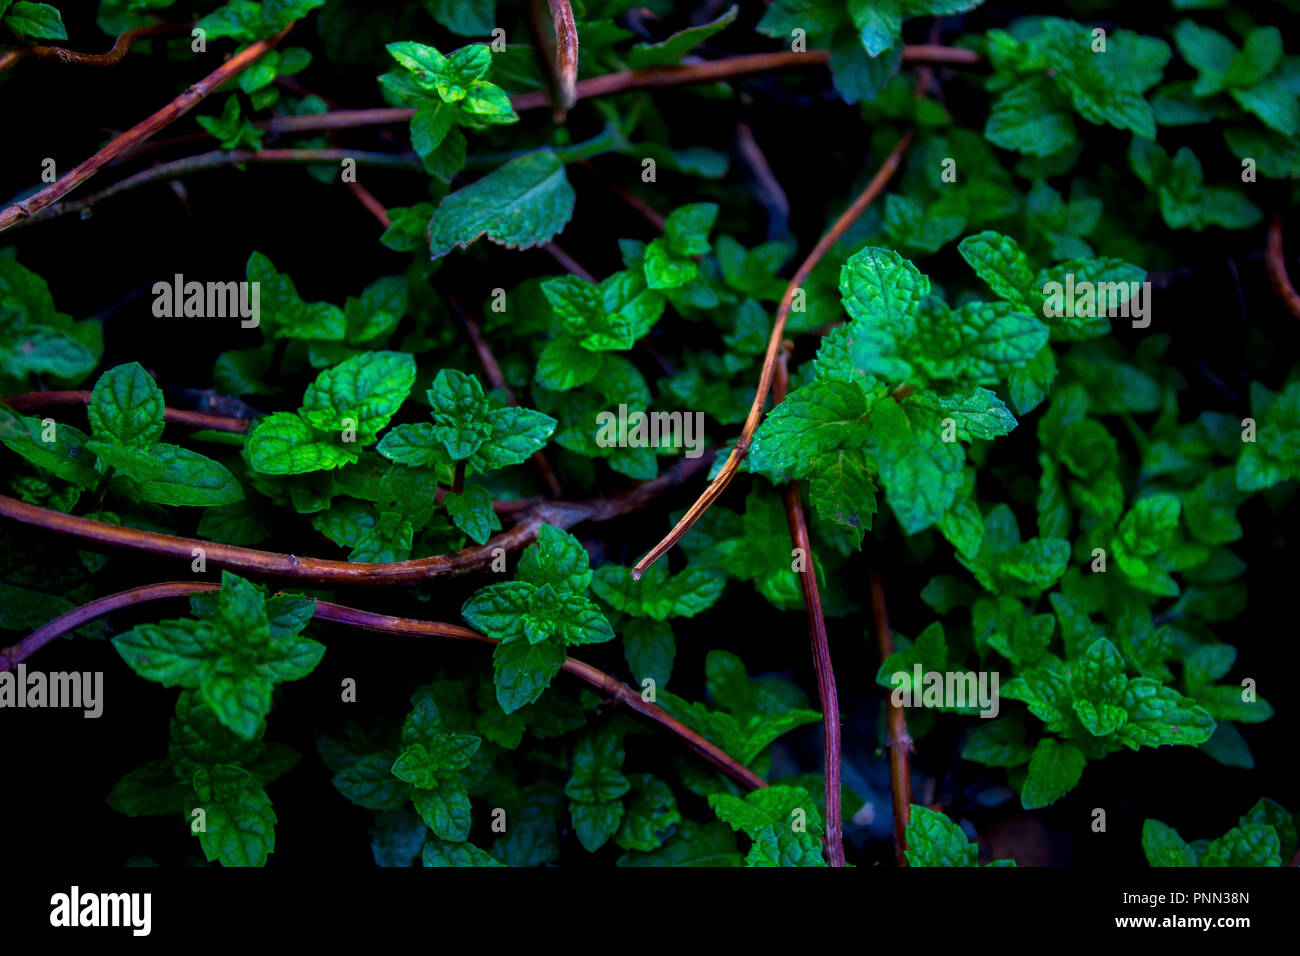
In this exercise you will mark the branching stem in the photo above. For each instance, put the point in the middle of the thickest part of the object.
(137, 134)
(119, 49)
(821, 651)
(900, 744)
(741, 448)
(385, 624)
(531, 516)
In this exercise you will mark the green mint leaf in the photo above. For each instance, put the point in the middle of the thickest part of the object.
(240, 824)
(471, 511)
(999, 261)
(1254, 844)
(1209, 52)
(814, 421)
(126, 407)
(35, 21)
(1098, 684)
(66, 457)
(883, 292)
(1271, 813)
(781, 846)
(998, 743)
(1164, 847)
(357, 398)
(669, 52)
(523, 204)
(1054, 769)
(1159, 715)
(149, 790)
(842, 492)
(556, 558)
(649, 649)
(1272, 457)
(460, 413)
(595, 823)
(596, 776)
(284, 444)
(934, 840)
(710, 844)
(469, 18)
(522, 671)
(438, 852)
(777, 806)
(188, 478)
(658, 595)
(651, 814)
(759, 730)
(514, 436)
(370, 783)
(445, 808)
(169, 652)
(498, 610)
(921, 472)
(415, 445)
(1032, 117)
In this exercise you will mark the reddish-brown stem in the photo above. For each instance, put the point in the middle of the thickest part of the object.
(458, 479)
(936, 53)
(370, 203)
(634, 202)
(64, 623)
(653, 77)
(561, 514)
(568, 263)
(821, 650)
(768, 189)
(1277, 271)
(565, 65)
(900, 744)
(719, 484)
(385, 624)
(31, 401)
(120, 47)
(217, 158)
(141, 131)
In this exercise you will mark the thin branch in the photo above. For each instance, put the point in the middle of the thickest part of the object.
(711, 71)
(605, 683)
(768, 189)
(141, 131)
(565, 66)
(561, 514)
(65, 623)
(635, 202)
(936, 53)
(719, 484)
(385, 624)
(821, 650)
(568, 263)
(1277, 272)
(123, 43)
(492, 369)
(31, 401)
(370, 203)
(217, 158)
(900, 744)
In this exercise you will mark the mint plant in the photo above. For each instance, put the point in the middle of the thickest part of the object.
(578, 374)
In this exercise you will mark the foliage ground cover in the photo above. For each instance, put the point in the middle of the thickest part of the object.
(611, 433)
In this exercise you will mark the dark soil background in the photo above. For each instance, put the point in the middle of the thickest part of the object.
(1227, 326)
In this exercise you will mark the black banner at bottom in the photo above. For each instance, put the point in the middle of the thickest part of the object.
(210, 905)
